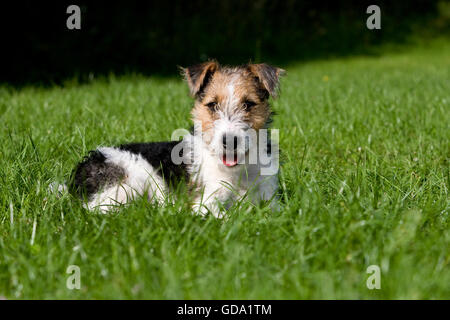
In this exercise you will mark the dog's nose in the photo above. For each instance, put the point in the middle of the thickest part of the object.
(230, 142)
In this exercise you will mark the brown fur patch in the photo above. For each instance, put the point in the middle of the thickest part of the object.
(246, 89)
(198, 76)
(251, 87)
(204, 115)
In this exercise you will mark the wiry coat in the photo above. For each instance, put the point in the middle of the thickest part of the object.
(224, 159)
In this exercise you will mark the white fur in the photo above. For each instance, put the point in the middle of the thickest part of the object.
(203, 152)
(222, 184)
(141, 179)
(225, 185)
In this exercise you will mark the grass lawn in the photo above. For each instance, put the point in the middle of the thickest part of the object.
(364, 181)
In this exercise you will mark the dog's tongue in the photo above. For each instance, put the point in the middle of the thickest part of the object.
(229, 162)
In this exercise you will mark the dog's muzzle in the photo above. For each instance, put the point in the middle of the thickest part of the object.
(233, 146)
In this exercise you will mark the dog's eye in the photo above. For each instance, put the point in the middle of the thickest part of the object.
(212, 106)
(248, 105)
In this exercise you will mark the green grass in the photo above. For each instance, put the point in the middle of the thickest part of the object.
(364, 180)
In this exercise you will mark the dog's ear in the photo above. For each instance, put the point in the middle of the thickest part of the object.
(199, 75)
(269, 76)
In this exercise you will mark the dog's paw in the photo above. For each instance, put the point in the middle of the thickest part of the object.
(204, 209)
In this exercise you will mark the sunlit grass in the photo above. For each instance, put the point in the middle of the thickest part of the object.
(364, 181)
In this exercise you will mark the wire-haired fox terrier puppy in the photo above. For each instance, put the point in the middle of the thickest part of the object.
(227, 157)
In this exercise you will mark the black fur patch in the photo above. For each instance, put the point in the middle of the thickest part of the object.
(204, 84)
(158, 154)
(268, 76)
(198, 77)
(93, 174)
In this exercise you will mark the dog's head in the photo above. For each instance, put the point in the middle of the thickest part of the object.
(231, 105)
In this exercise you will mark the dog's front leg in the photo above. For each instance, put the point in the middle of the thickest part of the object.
(210, 200)
(204, 207)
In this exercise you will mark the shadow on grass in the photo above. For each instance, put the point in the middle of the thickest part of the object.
(153, 38)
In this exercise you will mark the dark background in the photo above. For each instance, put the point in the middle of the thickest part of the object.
(154, 37)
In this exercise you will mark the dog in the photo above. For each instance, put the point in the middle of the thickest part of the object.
(221, 159)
